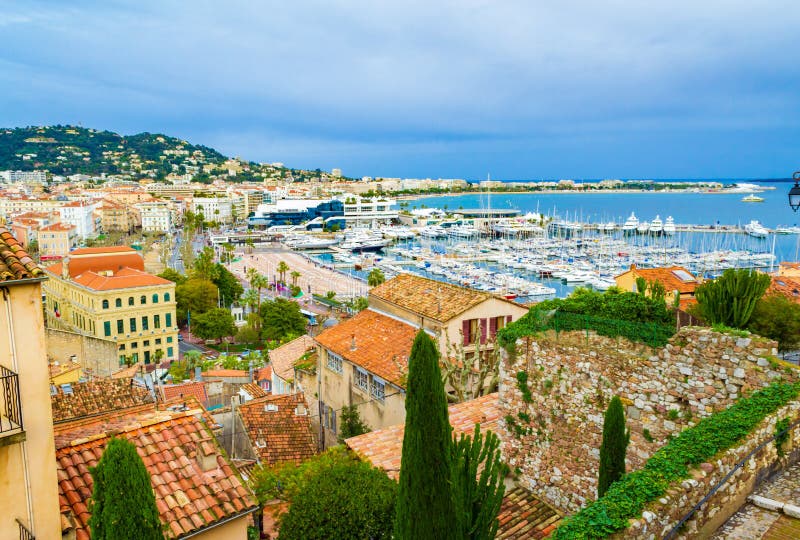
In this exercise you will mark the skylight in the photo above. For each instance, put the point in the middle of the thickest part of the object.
(683, 275)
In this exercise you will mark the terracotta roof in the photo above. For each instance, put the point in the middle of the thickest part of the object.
(264, 373)
(280, 435)
(284, 357)
(382, 344)
(253, 390)
(103, 250)
(123, 279)
(177, 391)
(195, 486)
(788, 287)
(384, 447)
(226, 373)
(60, 226)
(428, 297)
(15, 263)
(80, 261)
(523, 516)
(96, 397)
(670, 277)
(62, 366)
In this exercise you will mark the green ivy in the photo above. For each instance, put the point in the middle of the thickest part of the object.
(522, 384)
(627, 497)
(781, 434)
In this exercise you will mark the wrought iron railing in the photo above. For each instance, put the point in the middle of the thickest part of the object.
(24, 533)
(10, 408)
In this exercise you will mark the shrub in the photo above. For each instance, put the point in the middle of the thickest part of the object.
(731, 298)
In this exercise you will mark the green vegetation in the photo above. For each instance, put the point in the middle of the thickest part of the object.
(425, 503)
(350, 423)
(375, 277)
(281, 318)
(613, 313)
(627, 497)
(731, 298)
(777, 317)
(614, 446)
(781, 434)
(194, 297)
(216, 323)
(123, 505)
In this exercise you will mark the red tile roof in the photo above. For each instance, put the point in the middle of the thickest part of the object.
(788, 287)
(55, 227)
(15, 263)
(96, 397)
(111, 259)
(384, 447)
(284, 357)
(123, 279)
(281, 435)
(103, 250)
(175, 391)
(264, 373)
(194, 484)
(670, 277)
(254, 391)
(382, 344)
(226, 373)
(523, 516)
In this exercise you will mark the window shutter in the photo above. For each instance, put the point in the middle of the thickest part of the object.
(465, 331)
(508, 319)
(492, 327)
(483, 330)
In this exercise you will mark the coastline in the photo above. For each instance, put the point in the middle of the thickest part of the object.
(570, 192)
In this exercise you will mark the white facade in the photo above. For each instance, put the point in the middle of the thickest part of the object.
(367, 212)
(24, 176)
(81, 215)
(213, 208)
(156, 217)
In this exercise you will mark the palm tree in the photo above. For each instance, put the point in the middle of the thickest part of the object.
(295, 274)
(250, 298)
(159, 355)
(375, 277)
(282, 269)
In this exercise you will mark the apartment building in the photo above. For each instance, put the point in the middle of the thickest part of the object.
(105, 293)
(56, 240)
(360, 212)
(214, 208)
(81, 215)
(28, 486)
(116, 217)
(156, 216)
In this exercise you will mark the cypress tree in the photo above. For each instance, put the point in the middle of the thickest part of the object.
(425, 508)
(614, 446)
(123, 505)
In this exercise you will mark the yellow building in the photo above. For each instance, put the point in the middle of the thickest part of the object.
(28, 486)
(105, 293)
(56, 240)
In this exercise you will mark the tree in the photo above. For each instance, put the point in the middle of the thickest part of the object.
(295, 276)
(281, 318)
(657, 291)
(204, 266)
(215, 323)
(196, 296)
(123, 504)
(359, 303)
(173, 276)
(641, 285)
(350, 500)
(731, 298)
(425, 506)
(472, 376)
(230, 290)
(282, 268)
(478, 473)
(375, 277)
(777, 317)
(613, 447)
(350, 423)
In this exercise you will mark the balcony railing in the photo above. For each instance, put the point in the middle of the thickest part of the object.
(24, 533)
(10, 408)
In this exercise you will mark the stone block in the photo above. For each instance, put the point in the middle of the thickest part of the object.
(738, 373)
(765, 503)
(762, 362)
(743, 342)
(791, 510)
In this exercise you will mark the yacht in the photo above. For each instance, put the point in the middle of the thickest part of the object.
(755, 229)
(752, 198)
(656, 226)
(433, 231)
(311, 242)
(631, 224)
(669, 226)
(643, 227)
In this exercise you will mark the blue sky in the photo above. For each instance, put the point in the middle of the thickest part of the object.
(529, 89)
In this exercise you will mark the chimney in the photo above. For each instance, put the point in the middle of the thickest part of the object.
(252, 371)
(206, 455)
(633, 266)
(65, 267)
(353, 342)
(198, 374)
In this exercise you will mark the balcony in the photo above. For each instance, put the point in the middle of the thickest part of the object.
(24, 533)
(11, 430)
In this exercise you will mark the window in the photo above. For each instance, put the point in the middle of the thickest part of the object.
(378, 388)
(134, 345)
(130, 300)
(168, 322)
(122, 347)
(158, 341)
(169, 339)
(146, 343)
(143, 299)
(169, 352)
(156, 321)
(105, 304)
(145, 323)
(133, 324)
(120, 326)
(121, 360)
(155, 298)
(166, 297)
(107, 328)
(361, 379)
(118, 302)
(334, 362)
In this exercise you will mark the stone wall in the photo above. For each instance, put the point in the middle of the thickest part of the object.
(552, 440)
(96, 356)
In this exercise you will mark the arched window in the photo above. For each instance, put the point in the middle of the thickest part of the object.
(130, 300)
(105, 304)
(118, 303)
(143, 299)
(155, 298)
(166, 297)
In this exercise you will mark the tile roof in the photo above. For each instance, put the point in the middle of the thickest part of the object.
(788, 287)
(15, 263)
(226, 373)
(667, 276)
(79, 261)
(433, 299)
(264, 373)
(284, 357)
(280, 435)
(55, 227)
(177, 391)
(96, 397)
(195, 486)
(384, 447)
(524, 516)
(126, 278)
(254, 390)
(62, 366)
(104, 250)
(382, 344)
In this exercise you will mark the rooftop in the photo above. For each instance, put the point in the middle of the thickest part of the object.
(523, 516)
(253, 390)
(788, 287)
(279, 428)
(195, 389)
(284, 357)
(105, 259)
(15, 263)
(674, 278)
(98, 396)
(433, 299)
(125, 278)
(372, 341)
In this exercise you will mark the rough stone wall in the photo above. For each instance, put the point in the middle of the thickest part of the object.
(96, 356)
(553, 440)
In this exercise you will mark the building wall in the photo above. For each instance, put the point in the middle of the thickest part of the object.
(97, 356)
(27, 468)
(233, 530)
(572, 376)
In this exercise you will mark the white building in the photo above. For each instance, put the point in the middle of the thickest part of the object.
(368, 212)
(213, 208)
(81, 215)
(24, 176)
(156, 216)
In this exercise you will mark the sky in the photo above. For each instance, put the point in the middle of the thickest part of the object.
(452, 89)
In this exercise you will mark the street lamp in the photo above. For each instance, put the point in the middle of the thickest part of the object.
(794, 193)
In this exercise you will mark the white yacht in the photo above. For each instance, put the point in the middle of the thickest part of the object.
(656, 226)
(756, 229)
(752, 198)
(643, 227)
(631, 224)
(669, 226)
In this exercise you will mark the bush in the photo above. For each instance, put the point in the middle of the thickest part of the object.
(627, 497)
